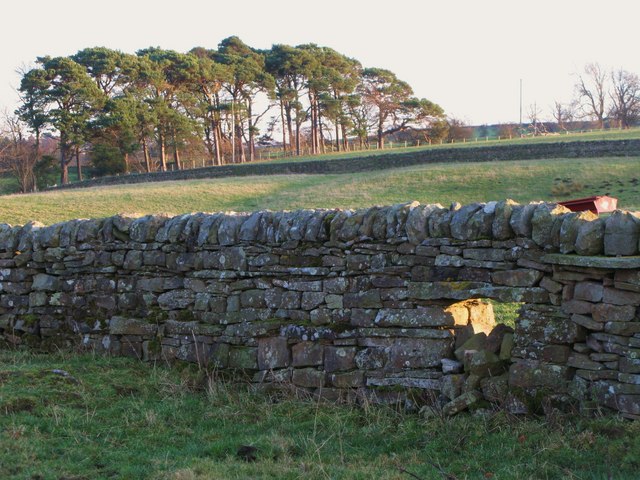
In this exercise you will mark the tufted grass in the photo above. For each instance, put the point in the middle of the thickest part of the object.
(119, 418)
(522, 181)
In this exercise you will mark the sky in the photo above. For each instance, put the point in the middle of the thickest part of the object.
(468, 56)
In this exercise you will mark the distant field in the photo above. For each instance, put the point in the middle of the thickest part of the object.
(630, 134)
(523, 181)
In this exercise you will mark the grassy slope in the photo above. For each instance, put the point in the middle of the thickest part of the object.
(630, 134)
(123, 419)
(444, 183)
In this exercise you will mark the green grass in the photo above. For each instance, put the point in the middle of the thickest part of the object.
(118, 418)
(522, 181)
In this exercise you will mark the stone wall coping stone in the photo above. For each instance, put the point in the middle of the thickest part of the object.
(592, 261)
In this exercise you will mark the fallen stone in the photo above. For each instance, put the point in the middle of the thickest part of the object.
(461, 403)
(450, 366)
(496, 337)
(485, 364)
(476, 342)
(451, 385)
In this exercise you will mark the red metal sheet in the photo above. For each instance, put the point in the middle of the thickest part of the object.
(596, 204)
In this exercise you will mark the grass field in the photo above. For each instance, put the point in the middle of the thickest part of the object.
(523, 181)
(100, 418)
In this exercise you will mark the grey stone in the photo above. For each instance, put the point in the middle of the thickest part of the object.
(367, 299)
(131, 326)
(587, 322)
(546, 223)
(349, 230)
(44, 282)
(339, 358)
(621, 234)
(588, 291)
(451, 385)
(451, 366)
(520, 221)
(249, 229)
(429, 316)
(590, 239)
(532, 373)
(570, 229)
(484, 364)
(308, 377)
(307, 354)
(440, 222)
(229, 228)
(461, 226)
(273, 353)
(501, 228)
(461, 403)
(604, 312)
(517, 278)
(417, 225)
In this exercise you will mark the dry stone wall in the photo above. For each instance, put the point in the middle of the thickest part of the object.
(384, 303)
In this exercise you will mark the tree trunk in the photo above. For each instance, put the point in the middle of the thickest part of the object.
(163, 153)
(284, 129)
(147, 160)
(314, 123)
(298, 125)
(289, 124)
(344, 136)
(176, 157)
(252, 148)
(64, 170)
(78, 166)
(240, 155)
(218, 140)
(320, 134)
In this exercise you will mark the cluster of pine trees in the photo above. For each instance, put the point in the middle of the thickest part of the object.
(157, 104)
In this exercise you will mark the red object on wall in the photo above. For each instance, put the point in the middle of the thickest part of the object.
(597, 204)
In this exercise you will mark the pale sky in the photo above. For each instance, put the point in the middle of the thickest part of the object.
(466, 55)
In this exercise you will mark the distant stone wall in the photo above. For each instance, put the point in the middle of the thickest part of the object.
(527, 151)
(381, 303)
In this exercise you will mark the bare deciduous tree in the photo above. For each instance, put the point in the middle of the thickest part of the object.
(625, 97)
(563, 113)
(592, 92)
(17, 155)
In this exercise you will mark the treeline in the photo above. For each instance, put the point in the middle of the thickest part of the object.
(146, 111)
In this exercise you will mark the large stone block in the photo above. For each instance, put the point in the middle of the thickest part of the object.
(244, 358)
(339, 358)
(131, 326)
(418, 353)
(532, 374)
(366, 299)
(546, 223)
(590, 238)
(517, 278)
(307, 354)
(308, 377)
(273, 353)
(430, 316)
(621, 234)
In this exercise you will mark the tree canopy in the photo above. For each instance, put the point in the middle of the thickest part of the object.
(159, 106)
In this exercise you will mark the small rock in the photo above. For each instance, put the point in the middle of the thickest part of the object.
(463, 402)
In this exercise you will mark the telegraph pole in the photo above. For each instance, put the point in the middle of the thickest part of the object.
(520, 106)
